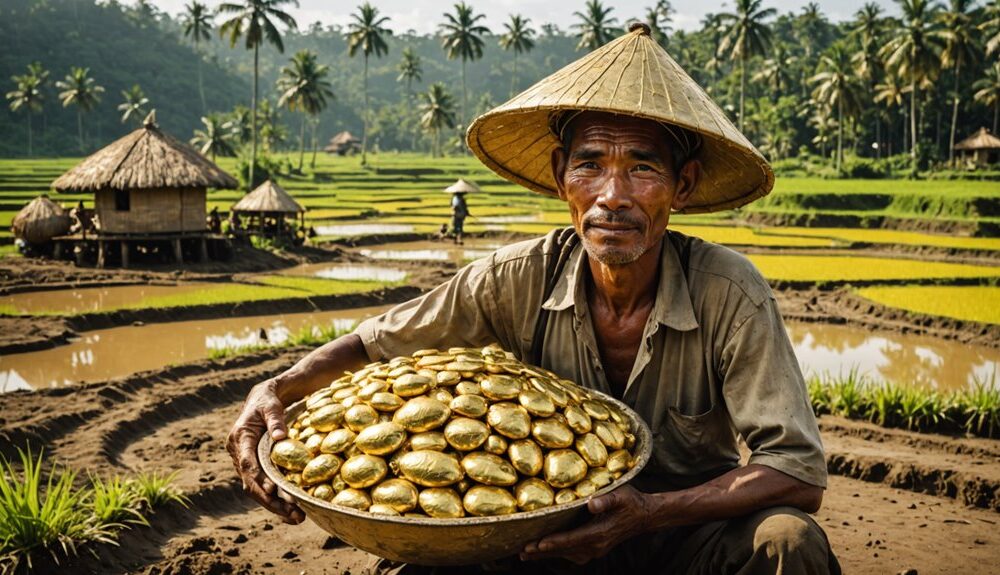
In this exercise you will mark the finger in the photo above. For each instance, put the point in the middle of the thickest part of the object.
(274, 417)
(592, 532)
(604, 503)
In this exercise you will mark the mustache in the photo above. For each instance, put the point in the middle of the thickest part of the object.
(600, 216)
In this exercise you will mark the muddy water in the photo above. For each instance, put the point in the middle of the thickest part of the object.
(901, 358)
(71, 301)
(439, 251)
(108, 353)
(348, 272)
(363, 229)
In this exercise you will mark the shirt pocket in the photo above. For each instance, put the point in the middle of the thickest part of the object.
(697, 445)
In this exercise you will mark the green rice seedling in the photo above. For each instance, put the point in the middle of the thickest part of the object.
(849, 394)
(980, 406)
(920, 408)
(819, 395)
(115, 501)
(156, 489)
(884, 404)
(43, 512)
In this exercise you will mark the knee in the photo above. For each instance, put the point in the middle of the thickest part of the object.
(786, 533)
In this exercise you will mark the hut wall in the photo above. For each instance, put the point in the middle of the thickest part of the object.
(166, 210)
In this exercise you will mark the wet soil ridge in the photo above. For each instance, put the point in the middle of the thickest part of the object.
(842, 306)
(967, 470)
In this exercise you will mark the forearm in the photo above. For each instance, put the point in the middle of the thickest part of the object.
(733, 494)
(320, 367)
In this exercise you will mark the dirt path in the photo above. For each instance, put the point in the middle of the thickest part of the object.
(176, 419)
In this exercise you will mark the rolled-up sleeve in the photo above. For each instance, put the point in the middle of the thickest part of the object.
(767, 399)
(457, 313)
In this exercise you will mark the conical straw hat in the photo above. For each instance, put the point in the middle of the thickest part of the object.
(462, 186)
(630, 75)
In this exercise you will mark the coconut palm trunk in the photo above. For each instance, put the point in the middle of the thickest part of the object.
(743, 87)
(364, 132)
(463, 93)
(913, 123)
(513, 79)
(30, 152)
(954, 116)
(201, 84)
(315, 144)
(79, 126)
(302, 142)
(840, 132)
(253, 117)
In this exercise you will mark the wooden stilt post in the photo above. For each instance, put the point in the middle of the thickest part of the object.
(178, 254)
(100, 253)
(204, 249)
(57, 251)
(124, 246)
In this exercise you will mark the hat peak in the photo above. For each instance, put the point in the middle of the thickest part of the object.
(641, 27)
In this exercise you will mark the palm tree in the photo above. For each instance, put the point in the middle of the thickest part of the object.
(869, 27)
(519, 38)
(776, 71)
(134, 105)
(28, 96)
(79, 89)
(272, 131)
(462, 38)
(811, 28)
(837, 87)
(197, 22)
(961, 47)
(216, 138)
(891, 94)
(745, 36)
(304, 88)
(912, 53)
(253, 20)
(366, 32)
(658, 19)
(988, 92)
(991, 26)
(437, 113)
(241, 124)
(410, 69)
(595, 28)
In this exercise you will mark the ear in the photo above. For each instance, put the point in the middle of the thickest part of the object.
(687, 182)
(559, 163)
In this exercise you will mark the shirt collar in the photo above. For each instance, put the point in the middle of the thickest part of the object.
(672, 308)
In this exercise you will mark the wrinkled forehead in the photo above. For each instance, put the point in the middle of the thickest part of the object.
(576, 128)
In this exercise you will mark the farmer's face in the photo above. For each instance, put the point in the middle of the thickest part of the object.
(617, 176)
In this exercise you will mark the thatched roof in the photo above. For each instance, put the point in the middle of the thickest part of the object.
(40, 220)
(343, 138)
(268, 197)
(981, 140)
(462, 186)
(145, 159)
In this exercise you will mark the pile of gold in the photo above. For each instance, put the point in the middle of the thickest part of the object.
(445, 433)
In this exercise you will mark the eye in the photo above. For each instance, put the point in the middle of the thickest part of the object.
(589, 165)
(643, 168)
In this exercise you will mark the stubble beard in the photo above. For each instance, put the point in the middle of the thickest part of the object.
(611, 255)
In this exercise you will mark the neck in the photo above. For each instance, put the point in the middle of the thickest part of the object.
(627, 288)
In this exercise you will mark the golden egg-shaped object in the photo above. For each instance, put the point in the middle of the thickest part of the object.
(360, 416)
(313, 443)
(353, 498)
(577, 419)
(399, 494)
(489, 469)
(500, 387)
(552, 433)
(363, 470)
(565, 496)
(381, 438)
(422, 414)
(537, 403)
(509, 419)
(322, 491)
(526, 456)
(441, 502)
(386, 401)
(290, 454)
(495, 444)
(433, 440)
(619, 461)
(337, 440)
(320, 469)
(487, 500)
(430, 468)
(411, 384)
(474, 406)
(466, 434)
(610, 434)
(564, 468)
(592, 450)
(448, 378)
(533, 493)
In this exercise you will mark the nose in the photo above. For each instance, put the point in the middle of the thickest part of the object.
(616, 195)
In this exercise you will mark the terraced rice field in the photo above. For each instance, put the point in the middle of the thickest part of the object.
(807, 268)
(971, 303)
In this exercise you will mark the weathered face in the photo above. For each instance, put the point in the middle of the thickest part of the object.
(617, 177)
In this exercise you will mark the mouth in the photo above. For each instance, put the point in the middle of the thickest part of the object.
(615, 228)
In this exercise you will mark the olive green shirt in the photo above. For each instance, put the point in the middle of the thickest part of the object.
(715, 362)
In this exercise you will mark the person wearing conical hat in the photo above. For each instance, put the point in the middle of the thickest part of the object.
(686, 332)
(459, 207)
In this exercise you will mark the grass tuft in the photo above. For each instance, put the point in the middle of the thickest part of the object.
(156, 489)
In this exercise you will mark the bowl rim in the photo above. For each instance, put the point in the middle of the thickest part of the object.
(644, 443)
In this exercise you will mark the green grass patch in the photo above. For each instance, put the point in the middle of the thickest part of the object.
(970, 303)
(975, 410)
(312, 336)
(881, 236)
(266, 288)
(846, 268)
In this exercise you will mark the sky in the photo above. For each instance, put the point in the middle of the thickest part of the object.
(423, 16)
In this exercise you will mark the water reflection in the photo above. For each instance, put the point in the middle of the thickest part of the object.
(357, 272)
(108, 353)
(83, 300)
(897, 357)
(363, 229)
(440, 251)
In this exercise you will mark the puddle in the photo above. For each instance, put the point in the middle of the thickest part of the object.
(363, 229)
(104, 354)
(900, 358)
(71, 301)
(438, 251)
(357, 272)
(512, 219)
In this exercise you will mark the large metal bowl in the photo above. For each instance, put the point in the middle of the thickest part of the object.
(463, 541)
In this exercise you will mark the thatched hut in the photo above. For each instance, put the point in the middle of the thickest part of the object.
(147, 183)
(266, 208)
(980, 149)
(343, 144)
(148, 187)
(40, 221)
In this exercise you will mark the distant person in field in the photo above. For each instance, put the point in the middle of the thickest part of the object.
(214, 221)
(685, 332)
(459, 211)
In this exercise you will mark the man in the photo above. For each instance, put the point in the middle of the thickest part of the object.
(685, 332)
(459, 207)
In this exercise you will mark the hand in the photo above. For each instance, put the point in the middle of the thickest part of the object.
(262, 412)
(619, 515)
